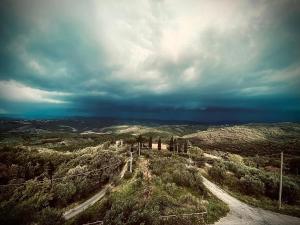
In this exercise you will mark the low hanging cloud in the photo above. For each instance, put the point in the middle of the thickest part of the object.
(13, 91)
(174, 54)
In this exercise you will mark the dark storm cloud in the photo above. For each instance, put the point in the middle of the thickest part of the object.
(151, 57)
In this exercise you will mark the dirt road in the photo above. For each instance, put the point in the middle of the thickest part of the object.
(241, 213)
(91, 201)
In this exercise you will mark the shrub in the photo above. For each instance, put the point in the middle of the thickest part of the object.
(272, 186)
(238, 170)
(127, 175)
(140, 175)
(290, 191)
(190, 199)
(179, 220)
(196, 151)
(64, 192)
(173, 170)
(294, 165)
(171, 188)
(106, 145)
(188, 178)
(251, 185)
(115, 180)
(236, 158)
(218, 173)
(130, 211)
(198, 159)
(50, 216)
(232, 181)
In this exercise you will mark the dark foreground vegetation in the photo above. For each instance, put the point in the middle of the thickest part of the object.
(36, 185)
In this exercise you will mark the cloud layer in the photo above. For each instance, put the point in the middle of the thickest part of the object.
(15, 92)
(139, 56)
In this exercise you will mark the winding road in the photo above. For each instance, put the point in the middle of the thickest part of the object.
(241, 213)
(91, 201)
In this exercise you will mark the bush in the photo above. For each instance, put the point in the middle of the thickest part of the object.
(127, 175)
(140, 175)
(199, 160)
(173, 170)
(294, 165)
(26, 204)
(18, 215)
(218, 173)
(115, 180)
(272, 186)
(232, 182)
(251, 185)
(290, 191)
(190, 199)
(180, 220)
(171, 188)
(238, 169)
(130, 211)
(194, 150)
(236, 158)
(188, 178)
(50, 216)
(64, 192)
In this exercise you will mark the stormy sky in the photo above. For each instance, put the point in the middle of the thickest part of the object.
(157, 59)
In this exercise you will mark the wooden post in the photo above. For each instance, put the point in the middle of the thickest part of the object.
(280, 187)
(130, 165)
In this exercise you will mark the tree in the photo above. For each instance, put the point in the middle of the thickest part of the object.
(131, 148)
(131, 143)
(140, 140)
(171, 147)
(175, 144)
(159, 144)
(150, 143)
(185, 147)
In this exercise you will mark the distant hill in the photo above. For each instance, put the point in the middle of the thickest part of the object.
(251, 138)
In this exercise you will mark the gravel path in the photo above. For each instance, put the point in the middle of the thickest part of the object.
(243, 214)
